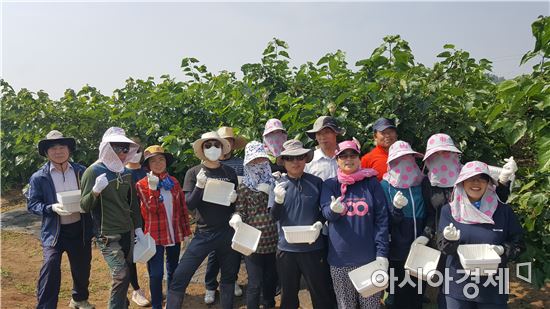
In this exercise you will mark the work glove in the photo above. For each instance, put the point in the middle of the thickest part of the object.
(263, 187)
(508, 170)
(384, 261)
(101, 183)
(233, 196)
(336, 205)
(451, 233)
(153, 181)
(318, 225)
(420, 240)
(278, 174)
(235, 221)
(58, 209)
(139, 234)
(201, 179)
(399, 200)
(280, 192)
(498, 249)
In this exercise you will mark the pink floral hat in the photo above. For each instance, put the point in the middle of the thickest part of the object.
(440, 142)
(273, 124)
(471, 169)
(399, 149)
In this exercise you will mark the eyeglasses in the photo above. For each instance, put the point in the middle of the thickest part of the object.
(345, 156)
(209, 145)
(294, 158)
(120, 149)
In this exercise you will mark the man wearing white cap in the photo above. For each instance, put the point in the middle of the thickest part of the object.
(109, 193)
(62, 231)
(213, 232)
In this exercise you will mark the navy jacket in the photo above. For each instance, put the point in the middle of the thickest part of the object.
(42, 195)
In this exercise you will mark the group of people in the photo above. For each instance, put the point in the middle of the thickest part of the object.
(370, 208)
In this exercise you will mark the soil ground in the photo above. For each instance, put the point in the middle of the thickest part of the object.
(21, 258)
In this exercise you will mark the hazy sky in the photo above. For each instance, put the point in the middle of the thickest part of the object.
(58, 45)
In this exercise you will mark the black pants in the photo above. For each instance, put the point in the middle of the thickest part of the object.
(406, 296)
(314, 267)
(79, 252)
(262, 279)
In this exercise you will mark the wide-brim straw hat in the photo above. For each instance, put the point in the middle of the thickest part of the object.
(399, 149)
(213, 135)
(55, 137)
(439, 142)
(324, 122)
(294, 148)
(227, 132)
(156, 150)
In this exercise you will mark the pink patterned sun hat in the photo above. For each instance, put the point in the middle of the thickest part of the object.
(399, 149)
(471, 169)
(440, 142)
(273, 124)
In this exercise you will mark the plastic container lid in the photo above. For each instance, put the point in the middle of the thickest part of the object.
(370, 279)
(70, 200)
(299, 234)
(218, 191)
(246, 239)
(479, 256)
(422, 261)
(144, 249)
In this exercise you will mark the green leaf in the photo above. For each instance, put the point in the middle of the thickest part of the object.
(444, 54)
(507, 85)
(448, 46)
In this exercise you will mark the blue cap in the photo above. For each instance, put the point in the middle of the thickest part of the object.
(382, 124)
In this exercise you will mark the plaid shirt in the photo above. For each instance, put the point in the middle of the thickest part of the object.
(154, 213)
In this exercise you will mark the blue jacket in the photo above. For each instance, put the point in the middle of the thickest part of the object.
(42, 195)
(361, 234)
(406, 221)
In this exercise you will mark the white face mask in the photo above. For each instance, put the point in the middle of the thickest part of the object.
(213, 153)
(136, 158)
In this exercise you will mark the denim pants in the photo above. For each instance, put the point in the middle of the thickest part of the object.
(79, 252)
(262, 279)
(116, 250)
(201, 245)
(155, 267)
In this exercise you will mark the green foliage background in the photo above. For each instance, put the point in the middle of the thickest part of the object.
(488, 121)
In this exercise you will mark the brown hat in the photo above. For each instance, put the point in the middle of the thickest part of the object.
(197, 145)
(294, 148)
(324, 122)
(227, 132)
(156, 150)
(55, 137)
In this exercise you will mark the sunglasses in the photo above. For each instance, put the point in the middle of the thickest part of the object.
(120, 149)
(294, 158)
(209, 145)
(345, 156)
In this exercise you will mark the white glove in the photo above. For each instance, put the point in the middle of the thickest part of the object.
(450, 232)
(201, 179)
(153, 181)
(101, 183)
(235, 221)
(420, 240)
(318, 225)
(139, 233)
(336, 205)
(508, 170)
(233, 196)
(58, 208)
(498, 249)
(399, 200)
(384, 261)
(280, 192)
(263, 187)
(278, 174)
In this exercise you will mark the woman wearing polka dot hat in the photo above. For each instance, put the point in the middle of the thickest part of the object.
(403, 190)
(475, 215)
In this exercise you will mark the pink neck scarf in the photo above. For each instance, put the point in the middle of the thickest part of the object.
(403, 173)
(273, 143)
(443, 169)
(463, 211)
(349, 179)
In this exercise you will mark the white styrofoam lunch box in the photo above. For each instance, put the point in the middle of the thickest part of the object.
(479, 256)
(218, 191)
(370, 279)
(300, 234)
(144, 249)
(422, 261)
(246, 239)
(70, 200)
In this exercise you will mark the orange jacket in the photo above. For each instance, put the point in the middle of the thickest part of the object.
(376, 159)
